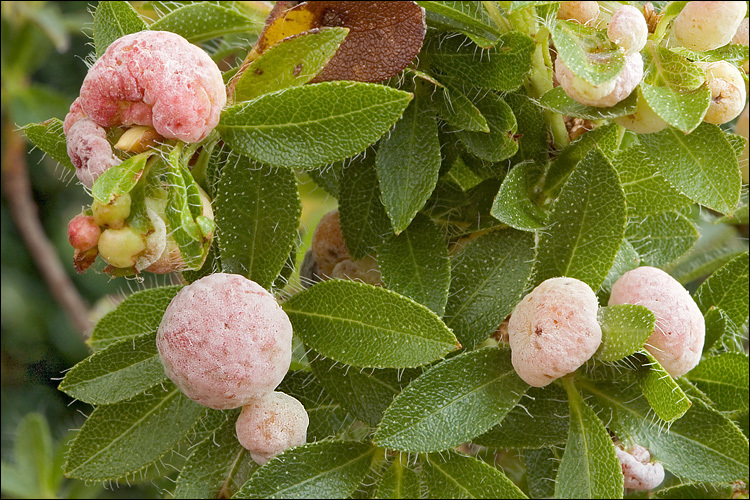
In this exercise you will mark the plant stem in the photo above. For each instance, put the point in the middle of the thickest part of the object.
(497, 16)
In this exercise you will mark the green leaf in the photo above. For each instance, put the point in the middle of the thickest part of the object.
(589, 467)
(666, 398)
(674, 88)
(292, 62)
(717, 325)
(451, 403)
(469, 18)
(408, 161)
(139, 313)
(586, 225)
(365, 393)
(218, 466)
(326, 469)
(696, 490)
(703, 445)
(724, 379)
(558, 101)
(625, 260)
(702, 165)
(541, 471)
(367, 326)
(113, 20)
(49, 137)
(625, 328)
(121, 439)
(587, 52)
(606, 138)
(460, 212)
(513, 204)
(257, 212)
(488, 280)
(646, 191)
(532, 130)
(399, 481)
(536, 422)
(364, 221)
(454, 107)
(312, 125)
(32, 474)
(119, 179)
(727, 289)
(120, 371)
(500, 143)
(327, 417)
(201, 21)
(662, 238)
(415, 263)
(452, 475)
(459, 64)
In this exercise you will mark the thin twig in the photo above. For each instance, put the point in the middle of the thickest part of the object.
(17, 190)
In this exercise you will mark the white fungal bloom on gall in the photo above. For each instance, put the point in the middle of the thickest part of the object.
(607, 94)
(89, 151)
(271, 424)
(640, 473)
(628, 29)
(705, 26)
(643, 121)
(224, 340)
(727, 91)
(554, 330)
(677, 341)
(582, 12)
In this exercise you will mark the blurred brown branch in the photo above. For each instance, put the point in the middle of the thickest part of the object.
(17, 190)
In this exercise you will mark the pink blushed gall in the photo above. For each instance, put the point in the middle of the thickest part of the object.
(224, 340)
(554, 330)
(677, 341)
(639, 472)
(271, 424)
(83, 232)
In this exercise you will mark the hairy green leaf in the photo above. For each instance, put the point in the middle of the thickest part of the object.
(500, 143)
(703, 445)
(727, 289)
(326, 469)
(454, 107)
(586, 225)
(452, 475)
(625, 260)
(218, 466)
(541, 470)
(488, 280)
(661, 238)
(724, 379)
(539, 420)
(415, 263)
(674, 88)
(532, 131)
(368, 326)
(587, 51)
(119, 179)
(589, 466)
(113, 20)
(49, 137)
(120, 371)
(513, 204)
(451, 403)
(139, 313)
(469, 18)
(121, 439)
(625, 328)
(364, 221)
(408, 161)
(695, 490)
(399, 481)
(292, 62)
(666, 398)
(257, 212)
(312, 125)
(201, 21)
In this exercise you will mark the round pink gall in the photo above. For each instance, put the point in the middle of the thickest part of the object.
(155, 78)
(89, 150)
(224, 340)
(554, 330)
(677, 341)
(640, 473)
(271, 424)
(83, 232)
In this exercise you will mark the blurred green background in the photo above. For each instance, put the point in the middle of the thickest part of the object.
(44, 48)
